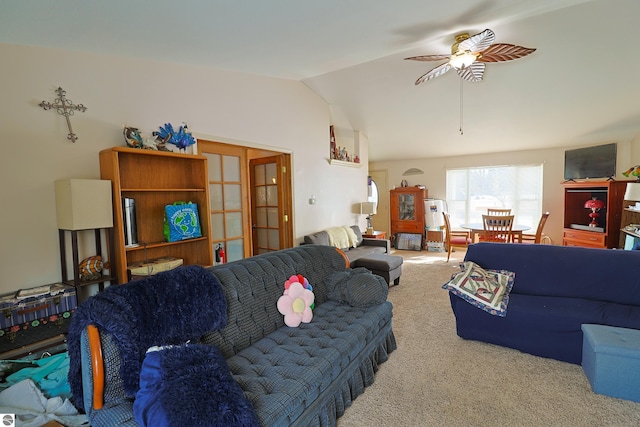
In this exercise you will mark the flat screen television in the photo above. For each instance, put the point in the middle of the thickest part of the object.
(590, 162)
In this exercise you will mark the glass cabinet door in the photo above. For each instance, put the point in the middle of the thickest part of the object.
(407, 207)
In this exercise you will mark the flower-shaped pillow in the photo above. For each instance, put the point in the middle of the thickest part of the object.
(296, 302)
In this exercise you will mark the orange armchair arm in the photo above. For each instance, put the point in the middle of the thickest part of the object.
(97, 364)
(346, 260)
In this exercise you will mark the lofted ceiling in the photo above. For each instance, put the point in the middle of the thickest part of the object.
(579, 88)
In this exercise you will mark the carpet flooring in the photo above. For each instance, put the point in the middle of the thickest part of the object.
(436, 378)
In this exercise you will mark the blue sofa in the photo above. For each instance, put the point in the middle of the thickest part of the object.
(556, 290)
(293, 376)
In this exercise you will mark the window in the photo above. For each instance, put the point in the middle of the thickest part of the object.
(373, 192)
(471, 191)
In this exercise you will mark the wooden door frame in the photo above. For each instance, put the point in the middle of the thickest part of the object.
(213, 147)
(283, 162)
(249, 153)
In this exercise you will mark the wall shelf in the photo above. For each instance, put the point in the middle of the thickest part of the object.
(630, 233)
(334, 162)
(629, 216)
(152, 245)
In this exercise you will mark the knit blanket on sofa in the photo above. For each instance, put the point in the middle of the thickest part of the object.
(168, 308)
(342, 237)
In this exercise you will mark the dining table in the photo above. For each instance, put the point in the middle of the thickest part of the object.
(477, 228)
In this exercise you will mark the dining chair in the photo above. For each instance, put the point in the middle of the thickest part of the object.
(458, 239)
(497, 228)
(536, 238)
(496, 211)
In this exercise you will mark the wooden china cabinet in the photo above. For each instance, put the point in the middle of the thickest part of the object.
(407, 210)
(577, 231)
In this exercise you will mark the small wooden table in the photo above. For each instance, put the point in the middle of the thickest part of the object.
(477, 228)
(376, 235)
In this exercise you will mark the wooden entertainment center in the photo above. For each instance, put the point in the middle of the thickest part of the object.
(576, 230)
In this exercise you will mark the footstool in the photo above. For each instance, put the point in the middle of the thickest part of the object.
(387, 266)
(611, 360)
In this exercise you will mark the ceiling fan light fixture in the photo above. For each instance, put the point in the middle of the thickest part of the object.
(461, 60)
(469, 54)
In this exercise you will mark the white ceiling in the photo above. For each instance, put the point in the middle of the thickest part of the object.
(578, 88)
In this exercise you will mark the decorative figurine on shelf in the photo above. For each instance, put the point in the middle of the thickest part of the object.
(181, 138)
(91, 268)
(344, 155)
(132, 137)
(341, 153)
(633, 171)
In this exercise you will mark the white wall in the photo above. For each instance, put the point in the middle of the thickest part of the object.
(119, 91)
(242, 108)
(434, 177)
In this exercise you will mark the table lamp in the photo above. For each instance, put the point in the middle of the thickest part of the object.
(84, 204)
(368, 208)
(632, 192)
(595, 205)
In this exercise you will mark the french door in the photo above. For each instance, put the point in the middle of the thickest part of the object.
(229, 207)
(250, 193)
(271, 207)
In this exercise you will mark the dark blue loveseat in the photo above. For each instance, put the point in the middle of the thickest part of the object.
(556, 290)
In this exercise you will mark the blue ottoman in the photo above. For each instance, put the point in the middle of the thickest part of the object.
(611, 360)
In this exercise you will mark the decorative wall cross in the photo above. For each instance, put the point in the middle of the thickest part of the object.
(65, 108)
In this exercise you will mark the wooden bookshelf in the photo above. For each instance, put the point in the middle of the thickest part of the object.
(156, 179)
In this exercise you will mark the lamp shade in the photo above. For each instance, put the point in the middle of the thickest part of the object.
(594, 204)
(633, 191)
(83, 204)
(368, 208)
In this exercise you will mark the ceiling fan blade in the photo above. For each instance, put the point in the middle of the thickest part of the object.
(473, 73)
(478, 42)
(435, 72)
(430, 58)
(503, 52)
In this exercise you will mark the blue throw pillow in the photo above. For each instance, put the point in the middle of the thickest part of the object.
(190, 385)
(357, 287)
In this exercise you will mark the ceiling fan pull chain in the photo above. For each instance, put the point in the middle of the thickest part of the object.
(461, 132)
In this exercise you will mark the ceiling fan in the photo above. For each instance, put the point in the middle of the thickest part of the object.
(469, 54)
